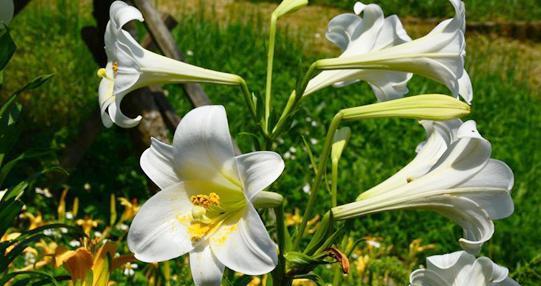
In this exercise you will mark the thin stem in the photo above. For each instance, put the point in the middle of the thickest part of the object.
(294, 100)
(278, 274)
(334, 183)
(270, 61)
(319, 176)
(248, 98)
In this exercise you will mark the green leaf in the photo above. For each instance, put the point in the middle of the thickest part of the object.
(9, 127)
(35, 83)
(15, 192)
(8, 213)
(325, 229)
(313, 277)
(330, 240)
(310, 155)
(4, 171)
(33, 275)
(7, 47)
(300, 263)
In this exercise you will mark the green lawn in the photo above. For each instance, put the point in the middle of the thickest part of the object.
(507, 110)
(478, 10)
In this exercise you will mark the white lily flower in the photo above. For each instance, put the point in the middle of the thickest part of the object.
(130, 67)
(6, 11)
(205, 207)
(461, 269)
(453, 175)
(355, 36)
(438, 56)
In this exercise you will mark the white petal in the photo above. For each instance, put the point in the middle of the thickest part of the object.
(461, 161)
(490, 189)
(203, 149)
(465, 87)
(258, 170)
(448, 266)
(471, 275)
(508, 282)
(206, 269)
(477, 225)
(440, 135)
(121, 13)
(493, 272)
(245, 247)
(425, 277)
(156, 233)
(157, 163)
(370, 27)
(448, 261)
(127, 54)
(343, 29)
(106, 98)
(388, 85)
(120, 118)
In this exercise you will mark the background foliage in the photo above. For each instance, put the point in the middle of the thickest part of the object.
(505, 75)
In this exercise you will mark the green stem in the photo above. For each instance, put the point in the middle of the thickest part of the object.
(294, 100)
(334, 184)
(270, 61)
(319, 176)
(278, 274)
(248, 98)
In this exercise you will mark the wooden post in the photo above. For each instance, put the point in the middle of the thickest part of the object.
(163, 38)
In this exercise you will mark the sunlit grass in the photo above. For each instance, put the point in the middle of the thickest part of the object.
(506, 108)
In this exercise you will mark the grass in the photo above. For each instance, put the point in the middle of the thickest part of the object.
(478, 10)
(506, 108)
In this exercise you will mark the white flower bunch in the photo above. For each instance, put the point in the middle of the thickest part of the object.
(207, 206)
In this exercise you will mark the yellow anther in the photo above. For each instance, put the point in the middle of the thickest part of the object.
(115, 67)
(409, 180)
(214, 199)
(206, 201)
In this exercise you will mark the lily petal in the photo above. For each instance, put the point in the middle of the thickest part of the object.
(477, 225)
(490, 189)
(121, 13)
(448, 266)
(206, 269)
(203, 150)
(440, 135)
(494, 272)
(258, 170)
(157, 233)
(157, 163)
(425, 277)
(121, 119)
(245, 247)
(459, 269)
(356, 35)
(106, 98)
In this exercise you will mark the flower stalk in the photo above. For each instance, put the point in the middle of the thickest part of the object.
(286, 7)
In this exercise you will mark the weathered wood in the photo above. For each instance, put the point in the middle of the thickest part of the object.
(162, 36)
